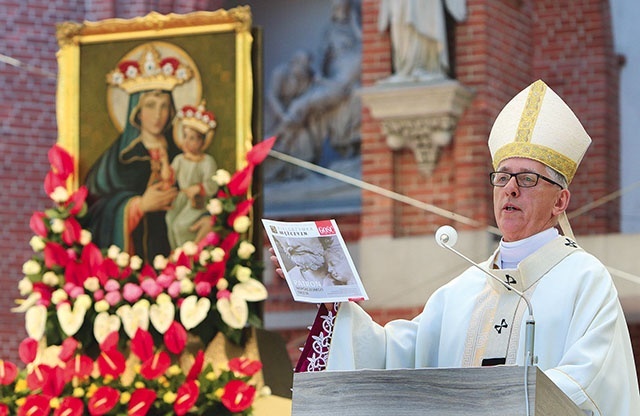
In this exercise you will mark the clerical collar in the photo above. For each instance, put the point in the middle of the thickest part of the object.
(512, 253)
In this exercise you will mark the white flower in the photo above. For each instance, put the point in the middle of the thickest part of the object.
(222, 284)
(186, 286)
(57, 225)
(92, 284)
(25, 304)
(36, 321)
(70, 319)
(190, 248)
(59, 195)
(25, 286)
(243, 273)
(264, 391)
(122, 259)
(241, 224)
(217, 254)
(160, 262)
(163, 298)
(113, 251)
(193, 311)
(204, 257)
(251, 291)
(234, 311)
(182, 272)
(222, 177)
(214, 206)
(59, 295)
(85, 237)
(245, 250)
(36, 243)
(136, 262)
(83, 301)
(50, 278)
(101, 306)
(31, 267)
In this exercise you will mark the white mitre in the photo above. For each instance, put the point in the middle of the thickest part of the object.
(536, 124)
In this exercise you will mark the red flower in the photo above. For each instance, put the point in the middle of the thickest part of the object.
(196, 368)
(141, 401)
(61, 161)
(244, 366)
(240, 181)
(8, 373)
(108, 269)
(260, 151)
(80, 366)
(111, 363)
(155, 366)
(147, 271)
(44, 291)
(27, 350)
(229, 243)
(52, 181)
(211, 274)
(175, 338)
(187, 397)
(4, 410)
(76, 201)
(103, 400)
(92, 257)
(55, 255)
(71, 233)
(238, 396)
(69, 346)
(35, 405)
(242, 209)
(54, 383)
(210, 239)
(39, 376)
(142, 344)
(70, 406)
(36, 223)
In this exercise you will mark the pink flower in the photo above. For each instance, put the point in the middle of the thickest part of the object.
(223, 294)
(203, 289)
(76, 201)
(131, 292)
(165, 280)
(61, 161)
(98, 295)
(75, 292)
(113, 298)
(151, 288)
(37, 225)
(71, 233)
(174, 289)
(111, 285)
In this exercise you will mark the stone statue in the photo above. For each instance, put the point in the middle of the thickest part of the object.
(419, 36)
(313, 110)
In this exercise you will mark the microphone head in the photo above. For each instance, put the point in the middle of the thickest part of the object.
(446, 236)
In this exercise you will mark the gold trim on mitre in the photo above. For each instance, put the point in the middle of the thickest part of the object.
(537, 124)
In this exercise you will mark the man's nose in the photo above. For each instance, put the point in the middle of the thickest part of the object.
(512, 187)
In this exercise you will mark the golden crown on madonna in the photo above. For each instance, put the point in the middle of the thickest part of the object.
(150, 72)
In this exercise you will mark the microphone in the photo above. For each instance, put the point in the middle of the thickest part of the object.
(446, 236)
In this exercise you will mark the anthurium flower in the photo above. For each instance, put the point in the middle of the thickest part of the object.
(238, 396)
(70, 406)
(251, 290)
(134, 317)
(36, 321)
(260, 151)
(141, 401)
(44, 292)
(175, 338)
(28, 350)
(4, 410)
(229, 242)
(61, 161)
(162, 313)
(38, 376)
(233, 310)
(196, 368)
(71, 232)
(240, 181)
(55, 255)
(244, 366)
(187, 397)
(193, 311)
(70, 319)
(105, 324)
(80, 367)
(142, 344)
(69, 346)
(155, 366)
(55, 383)
(35, 405)
(53, 181)
(37, 225)
(111, 363)
(76, 200)
(8, 372)
(103, 400)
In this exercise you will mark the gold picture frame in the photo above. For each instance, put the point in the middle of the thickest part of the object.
(95, 107)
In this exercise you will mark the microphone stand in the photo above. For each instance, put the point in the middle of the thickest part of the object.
(446, 240)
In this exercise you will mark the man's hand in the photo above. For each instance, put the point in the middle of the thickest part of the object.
(276, 263)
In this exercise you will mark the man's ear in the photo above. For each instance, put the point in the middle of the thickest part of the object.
(562, 202)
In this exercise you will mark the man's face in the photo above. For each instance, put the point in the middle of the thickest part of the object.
(523, 212)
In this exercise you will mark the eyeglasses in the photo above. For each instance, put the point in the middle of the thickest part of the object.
(523, 179)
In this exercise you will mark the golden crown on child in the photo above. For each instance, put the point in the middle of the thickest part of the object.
(150, 72)
(197, 118)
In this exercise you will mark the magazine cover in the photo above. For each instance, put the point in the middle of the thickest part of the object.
(315, 261)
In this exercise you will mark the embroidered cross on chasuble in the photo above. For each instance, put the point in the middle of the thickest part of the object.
(493, 334)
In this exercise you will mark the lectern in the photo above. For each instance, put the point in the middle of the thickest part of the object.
(491, 391)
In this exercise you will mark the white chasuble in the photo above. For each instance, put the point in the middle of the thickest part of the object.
(581, 341)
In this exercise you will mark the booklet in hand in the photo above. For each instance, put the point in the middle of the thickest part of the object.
(315, 261)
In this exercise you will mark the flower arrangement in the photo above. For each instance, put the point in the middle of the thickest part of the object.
(85, 306)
